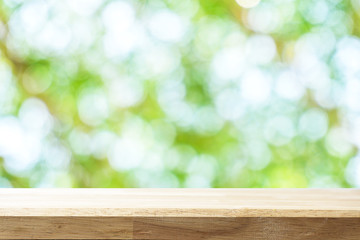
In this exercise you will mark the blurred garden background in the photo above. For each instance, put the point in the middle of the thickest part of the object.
(190, 93)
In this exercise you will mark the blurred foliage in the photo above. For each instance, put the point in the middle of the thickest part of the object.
(188, 93)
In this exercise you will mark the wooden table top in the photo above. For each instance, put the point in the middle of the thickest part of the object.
(181, 202)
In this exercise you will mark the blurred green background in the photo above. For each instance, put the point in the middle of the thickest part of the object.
(186, 93)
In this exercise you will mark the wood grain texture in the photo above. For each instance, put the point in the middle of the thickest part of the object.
(247, 228)
(66, 228)
(181, 228)
(180, 214)
(181, 202)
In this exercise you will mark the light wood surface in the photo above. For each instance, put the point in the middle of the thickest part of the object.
(180, 214)
(181, 202)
